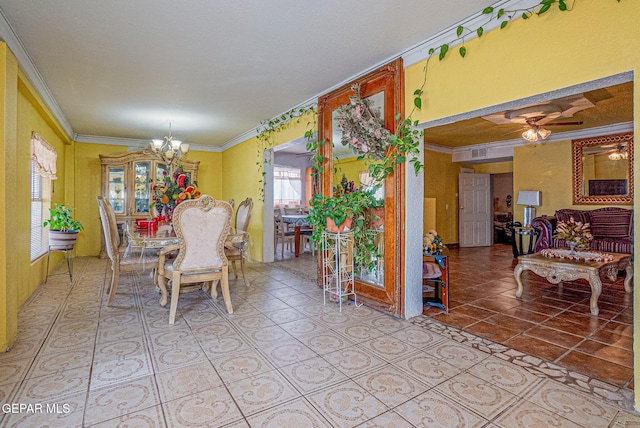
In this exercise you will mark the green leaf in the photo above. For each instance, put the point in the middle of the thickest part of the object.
(503, 24)
(480, 31)
(463, 51)
(459, 30)
(417, 92)
(500, 13)
(431, 51)
(398, 116)
(417, 101)
(487, 10)
(525, 15)
(562, 5)
(544, 8)
(443, 51)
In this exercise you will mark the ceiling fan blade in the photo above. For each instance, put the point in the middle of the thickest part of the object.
(563, 123)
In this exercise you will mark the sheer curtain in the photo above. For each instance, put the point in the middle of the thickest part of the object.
(43, 170)
(287, 186)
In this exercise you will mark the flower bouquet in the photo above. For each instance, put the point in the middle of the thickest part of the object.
(170, 193)
(574, 232)
(432, 243)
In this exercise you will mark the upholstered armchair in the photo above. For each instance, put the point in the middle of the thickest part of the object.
(201, 226)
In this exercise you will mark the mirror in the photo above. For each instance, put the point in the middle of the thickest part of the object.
(603, 170)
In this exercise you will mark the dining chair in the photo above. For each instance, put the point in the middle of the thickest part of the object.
(201, 226)
(238, 251)
(112, 244)
(281, 233)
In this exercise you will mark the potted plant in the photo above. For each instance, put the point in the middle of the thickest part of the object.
(63, 228)
(349, 212)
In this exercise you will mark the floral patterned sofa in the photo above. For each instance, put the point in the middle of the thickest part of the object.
(612, 229)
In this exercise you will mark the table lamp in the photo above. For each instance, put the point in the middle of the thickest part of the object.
(530, 198)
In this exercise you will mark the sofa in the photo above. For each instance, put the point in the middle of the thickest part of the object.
(612, 229)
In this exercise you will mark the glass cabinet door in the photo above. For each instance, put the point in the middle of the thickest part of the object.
(142, 185)
(116, 189)
(162, 173)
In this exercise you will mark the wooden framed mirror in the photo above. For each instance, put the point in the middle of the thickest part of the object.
(381, 286)
(603, 170)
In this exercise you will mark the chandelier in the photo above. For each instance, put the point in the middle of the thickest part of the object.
(169, 149)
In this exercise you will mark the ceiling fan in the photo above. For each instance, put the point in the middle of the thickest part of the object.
(538, 117)
(535, 128)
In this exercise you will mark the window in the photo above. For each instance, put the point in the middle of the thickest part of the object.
(287, 186)
(43, 170)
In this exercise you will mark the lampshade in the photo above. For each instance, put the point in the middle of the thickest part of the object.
(529, 198)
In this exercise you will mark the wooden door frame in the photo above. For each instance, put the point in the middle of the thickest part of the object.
(390, 79)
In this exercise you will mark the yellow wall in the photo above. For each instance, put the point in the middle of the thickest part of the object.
(498, 68)
(441, 183)
(89, 178)
(351, 168)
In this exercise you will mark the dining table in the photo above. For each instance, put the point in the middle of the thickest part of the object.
(298, 221)
(163, 235)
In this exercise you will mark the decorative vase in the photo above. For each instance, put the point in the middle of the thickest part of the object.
(572, 247)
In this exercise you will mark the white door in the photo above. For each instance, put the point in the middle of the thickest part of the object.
(474, 222)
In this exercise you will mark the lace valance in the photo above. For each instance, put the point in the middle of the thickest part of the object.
(44, 155)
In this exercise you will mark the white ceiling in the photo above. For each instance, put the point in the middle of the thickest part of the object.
(214, 69)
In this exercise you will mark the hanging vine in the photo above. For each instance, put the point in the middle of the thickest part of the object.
(268, 128)
(404, 144)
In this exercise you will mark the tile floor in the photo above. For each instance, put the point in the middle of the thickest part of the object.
(550, 322)
(283, 359)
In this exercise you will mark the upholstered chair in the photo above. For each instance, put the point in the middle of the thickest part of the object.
(201, 226)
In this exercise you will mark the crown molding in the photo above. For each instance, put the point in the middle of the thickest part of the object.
(133, 143)
(28, 67)
(507, 146)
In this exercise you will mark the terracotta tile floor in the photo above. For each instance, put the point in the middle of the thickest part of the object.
(283, 359)
(550, 322)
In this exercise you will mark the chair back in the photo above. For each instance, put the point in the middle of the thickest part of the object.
(202, 226)
(109, 227)
(279, 226)
(243, 215)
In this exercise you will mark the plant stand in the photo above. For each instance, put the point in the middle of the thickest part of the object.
(337, 267)
(68, 255)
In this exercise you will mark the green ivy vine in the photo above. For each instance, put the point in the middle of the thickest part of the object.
(268, 128)
(405, 143)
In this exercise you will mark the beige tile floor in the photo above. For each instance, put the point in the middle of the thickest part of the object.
(283, 359)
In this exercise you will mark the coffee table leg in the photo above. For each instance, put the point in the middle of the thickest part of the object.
(516, 273)
(628, 277)
(596, 289)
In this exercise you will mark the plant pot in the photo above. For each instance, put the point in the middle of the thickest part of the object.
(60, 240)
(333, 228)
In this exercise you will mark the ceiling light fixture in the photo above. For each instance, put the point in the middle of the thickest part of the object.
(619, 154)
(535, 132)
(168, 149)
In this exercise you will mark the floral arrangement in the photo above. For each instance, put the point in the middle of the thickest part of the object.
(362, 126)
(574, 231)
(174, 190)
(432, 243)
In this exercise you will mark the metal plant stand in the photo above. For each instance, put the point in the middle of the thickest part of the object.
(337, 267)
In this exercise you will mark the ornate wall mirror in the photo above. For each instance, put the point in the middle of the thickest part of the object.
(603, 170)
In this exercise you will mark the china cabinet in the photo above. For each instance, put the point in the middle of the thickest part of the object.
(128, 178)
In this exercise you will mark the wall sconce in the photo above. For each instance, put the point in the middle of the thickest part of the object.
(530, 198)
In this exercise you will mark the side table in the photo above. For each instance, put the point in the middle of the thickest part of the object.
(523, 246)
